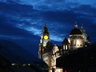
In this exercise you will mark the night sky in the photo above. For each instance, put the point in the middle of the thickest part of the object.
(22, 21)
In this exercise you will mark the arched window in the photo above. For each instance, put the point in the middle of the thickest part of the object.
(78, 43)
(66, 47)
(63, 47)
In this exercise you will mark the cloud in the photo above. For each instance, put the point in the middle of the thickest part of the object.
(23, 21)
(24, 17)
(53, 4)
(58, 38)
(10, 37)
(35, 31)
(20, 25)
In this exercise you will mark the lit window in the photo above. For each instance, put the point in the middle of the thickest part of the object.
(66, 47)
(44, 44)
(69, 40)
(78, 43)
(13, 64)
(24, 64)
(28, 64)
(85, 45)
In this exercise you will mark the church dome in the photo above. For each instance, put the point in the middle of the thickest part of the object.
(55, 48)
(75, 31)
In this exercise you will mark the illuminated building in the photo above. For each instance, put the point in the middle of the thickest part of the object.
(49, 53)
(76, 39)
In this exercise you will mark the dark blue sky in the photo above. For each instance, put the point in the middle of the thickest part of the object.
(22, 21)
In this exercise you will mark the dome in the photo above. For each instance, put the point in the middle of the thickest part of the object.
(75, 31)
(55, 48)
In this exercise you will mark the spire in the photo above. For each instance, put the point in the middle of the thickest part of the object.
(65, 41)
(85, 36)
(75, 26)
(82, 28)
(45, 30)
(45, 25)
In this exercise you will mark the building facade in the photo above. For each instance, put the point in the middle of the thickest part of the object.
(49, 53)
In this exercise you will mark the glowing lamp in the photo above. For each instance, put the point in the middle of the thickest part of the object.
(45, 37)
(65, 70)
(43, 49)
(88, 42)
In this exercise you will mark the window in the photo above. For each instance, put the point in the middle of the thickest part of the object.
(66, 47)
(85, 45)
(78, 43)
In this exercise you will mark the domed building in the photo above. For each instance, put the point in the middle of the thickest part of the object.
(49, 53)
(76, 39)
